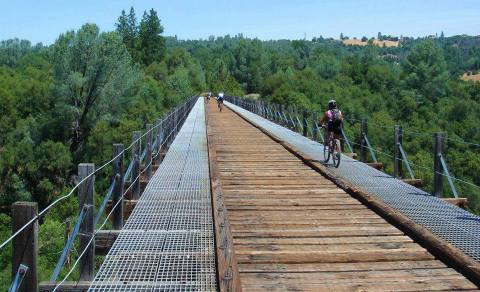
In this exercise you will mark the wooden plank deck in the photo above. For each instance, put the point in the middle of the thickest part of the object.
(293, 229)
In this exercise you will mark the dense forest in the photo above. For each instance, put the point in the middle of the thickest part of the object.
(66, 103)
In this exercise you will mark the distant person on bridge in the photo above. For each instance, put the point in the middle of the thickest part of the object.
(333, 118)
(220, 100)
(209, 95)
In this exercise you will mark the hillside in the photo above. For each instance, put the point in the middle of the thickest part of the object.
(380, 43)
(470, 77)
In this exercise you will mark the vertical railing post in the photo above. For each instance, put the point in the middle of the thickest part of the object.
(281, 111)
(25, 244)
(158, 148)
(175, 122)
(397, 160)
(275, 112)
(168, 129)
(314, 126)
(293, 112)
(288, 113)
(148, 156)
(305, 123)
(85, 199)
(136, 153)
(117, 202)
(363, 142)
(437, 164)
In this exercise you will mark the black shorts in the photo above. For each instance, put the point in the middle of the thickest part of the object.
(335, 129)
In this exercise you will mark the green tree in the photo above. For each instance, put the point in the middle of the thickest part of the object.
(151, 44)
(94, 78)
(425, 70)
(127, 28)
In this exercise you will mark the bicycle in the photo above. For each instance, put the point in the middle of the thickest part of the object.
(220, 105)
(331, 148)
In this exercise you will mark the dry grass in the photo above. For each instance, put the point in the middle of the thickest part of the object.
(473, 77)
(353, 42)
(253, 96)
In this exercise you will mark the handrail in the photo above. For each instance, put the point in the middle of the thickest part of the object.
(175, 119)
(41, 213)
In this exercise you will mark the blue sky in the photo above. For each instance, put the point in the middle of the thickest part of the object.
(43, 21)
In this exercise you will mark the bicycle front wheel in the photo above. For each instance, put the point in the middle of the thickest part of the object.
(326, 152)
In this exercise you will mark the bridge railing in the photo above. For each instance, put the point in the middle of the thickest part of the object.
(147, 151)
(306, 123)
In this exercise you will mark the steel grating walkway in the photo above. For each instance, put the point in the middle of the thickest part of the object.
(449, 222)
(167, 244)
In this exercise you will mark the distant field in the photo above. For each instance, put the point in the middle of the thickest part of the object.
(473, 77)
(353, 42)
(253, 96)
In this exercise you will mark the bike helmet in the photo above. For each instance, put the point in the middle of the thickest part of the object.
(332, 104)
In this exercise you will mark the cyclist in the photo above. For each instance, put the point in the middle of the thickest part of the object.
(220, 99)
(209, 95)
(333, 118)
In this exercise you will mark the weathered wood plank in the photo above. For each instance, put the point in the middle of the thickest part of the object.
(334, 256)
(340, 267)
(446, 283)
(322, 240)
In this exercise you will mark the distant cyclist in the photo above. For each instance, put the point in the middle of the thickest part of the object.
(220, 100)
(333, 119)
(209, 95)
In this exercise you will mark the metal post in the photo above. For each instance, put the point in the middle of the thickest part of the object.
(117, 202)
(159, 139)
(85, 199)
(136, 152)
(148, 156)
(25, 244)
(397, 160)
(305, 124)
(437, 164)
(281, 110)
(314, 128)
(363, 142)
(293, 114)
(169, 129)
(175, 122)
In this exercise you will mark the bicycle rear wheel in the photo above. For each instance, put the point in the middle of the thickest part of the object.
(336, 156)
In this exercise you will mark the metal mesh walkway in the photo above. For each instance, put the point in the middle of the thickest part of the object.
(449, 222)
(167, 244)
